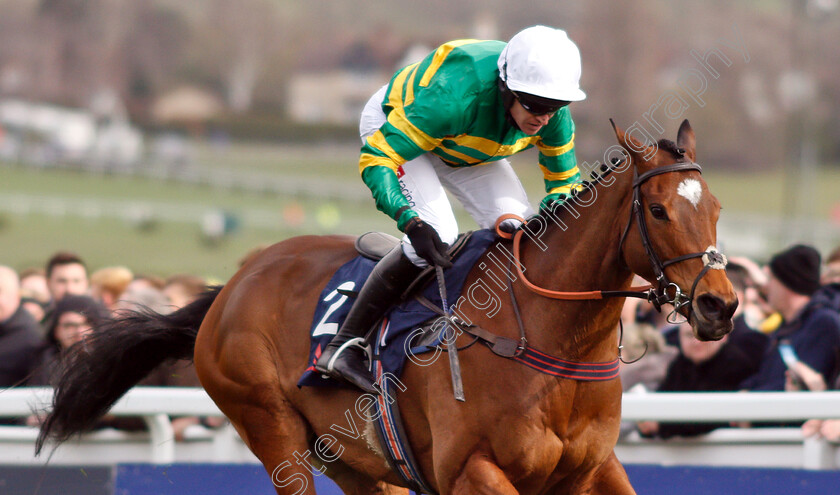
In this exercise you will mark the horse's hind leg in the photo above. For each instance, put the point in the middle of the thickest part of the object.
(611, 479)
(277, 435)
(268, 424)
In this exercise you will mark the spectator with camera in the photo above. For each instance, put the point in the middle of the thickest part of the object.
(809, 327)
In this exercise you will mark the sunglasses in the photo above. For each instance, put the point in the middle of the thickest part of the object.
(536, 105)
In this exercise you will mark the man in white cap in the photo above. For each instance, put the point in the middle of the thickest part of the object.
(468, 103)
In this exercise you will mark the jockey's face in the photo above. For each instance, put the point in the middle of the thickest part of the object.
(529, 123)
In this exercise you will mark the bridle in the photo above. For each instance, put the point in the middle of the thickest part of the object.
(712, 258)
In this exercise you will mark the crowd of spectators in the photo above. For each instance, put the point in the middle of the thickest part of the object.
(786, 337)
(44, 311)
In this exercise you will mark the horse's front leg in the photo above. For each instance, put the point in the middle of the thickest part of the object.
(611, 479)
(482, 476)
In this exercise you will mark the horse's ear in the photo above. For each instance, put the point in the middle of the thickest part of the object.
(637, 150)
(685, 139)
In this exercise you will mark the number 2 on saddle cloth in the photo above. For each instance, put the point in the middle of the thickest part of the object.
(402, 321)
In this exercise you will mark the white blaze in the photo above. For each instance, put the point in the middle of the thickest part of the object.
(691, 190)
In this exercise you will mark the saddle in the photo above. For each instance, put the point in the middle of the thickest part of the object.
(406, 316)
(375, 245)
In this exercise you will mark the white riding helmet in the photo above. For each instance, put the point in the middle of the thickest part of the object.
(544, 62)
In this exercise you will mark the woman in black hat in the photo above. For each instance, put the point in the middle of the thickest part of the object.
(73, 318)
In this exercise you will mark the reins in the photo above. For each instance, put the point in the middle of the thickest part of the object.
(639, 291)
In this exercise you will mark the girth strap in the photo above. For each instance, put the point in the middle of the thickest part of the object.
(572, 370)
(389, 429)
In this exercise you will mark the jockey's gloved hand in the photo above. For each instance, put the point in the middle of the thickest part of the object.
(510, 225)
(427, 243)
(551, 201)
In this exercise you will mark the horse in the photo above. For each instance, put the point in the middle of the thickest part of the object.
(519, 431)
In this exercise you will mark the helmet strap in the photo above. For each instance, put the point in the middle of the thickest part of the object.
(507, 101)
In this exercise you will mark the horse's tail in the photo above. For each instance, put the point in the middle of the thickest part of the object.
(99, 370)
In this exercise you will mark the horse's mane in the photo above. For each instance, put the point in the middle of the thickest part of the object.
(597, 175)
(585, 185)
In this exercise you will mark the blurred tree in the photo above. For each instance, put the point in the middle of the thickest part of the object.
(71, 34)
(65, 51)
(67, 12)
(622, 54)
(151, 48)
(238, 35)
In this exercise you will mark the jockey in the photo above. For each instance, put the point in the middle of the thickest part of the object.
(450, 121)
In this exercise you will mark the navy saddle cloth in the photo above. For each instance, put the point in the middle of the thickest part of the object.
(401, 321)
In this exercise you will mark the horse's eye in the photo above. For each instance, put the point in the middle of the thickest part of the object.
(658, 212)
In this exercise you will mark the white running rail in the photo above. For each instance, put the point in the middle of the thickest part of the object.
(761, 447)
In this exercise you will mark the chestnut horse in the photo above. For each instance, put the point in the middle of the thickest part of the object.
(520, 431)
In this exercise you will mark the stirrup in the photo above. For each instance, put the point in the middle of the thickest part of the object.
(355, 341)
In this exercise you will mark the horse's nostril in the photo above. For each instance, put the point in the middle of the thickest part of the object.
(730, 309)
(713, 307)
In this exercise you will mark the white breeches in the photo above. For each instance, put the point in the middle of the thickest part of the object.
(486, 191)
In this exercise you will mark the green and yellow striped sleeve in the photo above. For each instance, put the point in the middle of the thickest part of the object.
(557, 154)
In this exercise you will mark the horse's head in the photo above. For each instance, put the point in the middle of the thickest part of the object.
(671, 238)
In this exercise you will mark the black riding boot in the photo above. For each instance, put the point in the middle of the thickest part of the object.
(345, 356)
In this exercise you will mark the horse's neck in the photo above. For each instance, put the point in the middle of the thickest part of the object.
(585, 256)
